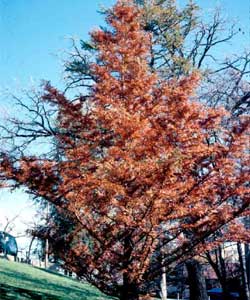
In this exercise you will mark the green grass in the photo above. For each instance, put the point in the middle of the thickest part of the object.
(22, 282)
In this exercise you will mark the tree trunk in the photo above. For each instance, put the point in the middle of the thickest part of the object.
(223, 276)
(247, 257)
(46, 259)
(30, 246)
(225, 289)
(197, 283)
(219, 266)
(129, 290)
(245, 288)
(46, 250)
(164, 291)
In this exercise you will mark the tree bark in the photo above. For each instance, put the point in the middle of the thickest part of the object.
(197, 283)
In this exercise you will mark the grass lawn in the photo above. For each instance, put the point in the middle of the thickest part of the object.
(22, 282)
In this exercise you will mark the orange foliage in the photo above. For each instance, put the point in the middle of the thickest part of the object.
(145, 168)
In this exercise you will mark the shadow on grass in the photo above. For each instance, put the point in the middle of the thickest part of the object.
(40, 282)
(15, 293)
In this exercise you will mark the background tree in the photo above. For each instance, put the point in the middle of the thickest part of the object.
(136, 166)
(182, 42)
(224, 267)
(245, 291)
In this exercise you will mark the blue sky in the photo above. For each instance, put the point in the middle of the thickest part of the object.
(34, 34)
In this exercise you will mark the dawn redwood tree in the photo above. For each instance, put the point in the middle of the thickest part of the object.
(144, 163)
(182, 40)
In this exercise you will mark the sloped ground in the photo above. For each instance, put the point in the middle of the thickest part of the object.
(22, 282)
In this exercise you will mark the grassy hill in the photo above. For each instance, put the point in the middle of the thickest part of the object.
(22, 282)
